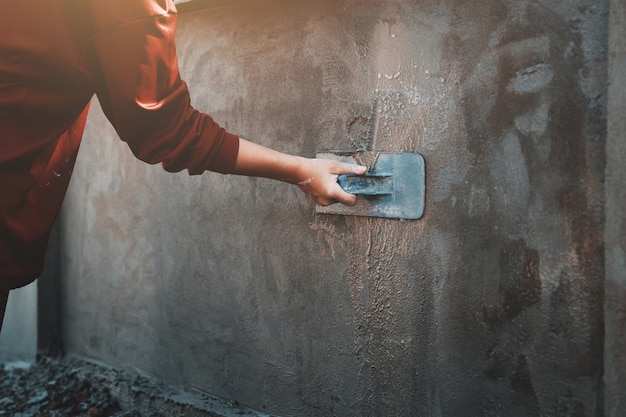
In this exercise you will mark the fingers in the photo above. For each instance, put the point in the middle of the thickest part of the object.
(337, 194)
(347, 199)
(344, 198)
(343, 168)
(321, 181)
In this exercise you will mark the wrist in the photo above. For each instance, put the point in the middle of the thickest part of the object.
(299, 171)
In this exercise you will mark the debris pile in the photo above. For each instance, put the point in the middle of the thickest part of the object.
(73, 387)
(51, 388)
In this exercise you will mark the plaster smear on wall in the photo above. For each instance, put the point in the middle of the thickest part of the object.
(415, 105)
(388, 92)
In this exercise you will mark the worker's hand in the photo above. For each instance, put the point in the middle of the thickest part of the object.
(318, 179)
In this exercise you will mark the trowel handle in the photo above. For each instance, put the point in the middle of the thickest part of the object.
(368, 184)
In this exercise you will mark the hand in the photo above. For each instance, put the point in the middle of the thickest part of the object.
(319, 180)
(316, 177)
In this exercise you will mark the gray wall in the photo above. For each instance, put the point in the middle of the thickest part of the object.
(491, 305)
(18, 339)
(615, 311)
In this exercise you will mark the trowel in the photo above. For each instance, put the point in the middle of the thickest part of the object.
(393, 186)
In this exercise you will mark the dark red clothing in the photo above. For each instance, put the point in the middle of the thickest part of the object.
(54, 56)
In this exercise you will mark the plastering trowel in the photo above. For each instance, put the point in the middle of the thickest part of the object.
(392, 187)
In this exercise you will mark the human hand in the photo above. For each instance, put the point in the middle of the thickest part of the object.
(318, 179)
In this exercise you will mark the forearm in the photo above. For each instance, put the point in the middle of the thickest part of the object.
(259, 161)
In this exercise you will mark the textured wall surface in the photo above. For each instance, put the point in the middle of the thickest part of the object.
(615, 305)
(491, 305)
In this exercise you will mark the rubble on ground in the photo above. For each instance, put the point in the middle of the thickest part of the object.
(78, 388)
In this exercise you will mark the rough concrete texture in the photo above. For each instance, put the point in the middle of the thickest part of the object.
(491, 305)
(615, 236)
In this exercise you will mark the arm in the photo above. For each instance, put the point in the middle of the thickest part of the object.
(136, 76)
(131, 61)
(315, 177)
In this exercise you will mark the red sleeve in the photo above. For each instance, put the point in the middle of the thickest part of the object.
(135, 69)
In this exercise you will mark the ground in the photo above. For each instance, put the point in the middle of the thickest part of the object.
(52, 388)
(78, 388)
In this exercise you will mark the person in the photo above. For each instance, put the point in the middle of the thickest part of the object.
(55, 55)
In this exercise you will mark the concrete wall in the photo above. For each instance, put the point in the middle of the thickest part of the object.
(18, 339)
(491, 305)
(615, 310)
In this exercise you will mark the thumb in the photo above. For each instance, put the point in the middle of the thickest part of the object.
(341, 195)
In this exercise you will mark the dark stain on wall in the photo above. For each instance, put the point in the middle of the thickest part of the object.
(519, 287)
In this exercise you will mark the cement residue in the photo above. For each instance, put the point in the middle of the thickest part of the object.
(531, 79)
(382, 302)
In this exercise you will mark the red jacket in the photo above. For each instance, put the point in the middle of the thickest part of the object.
(54, 56)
